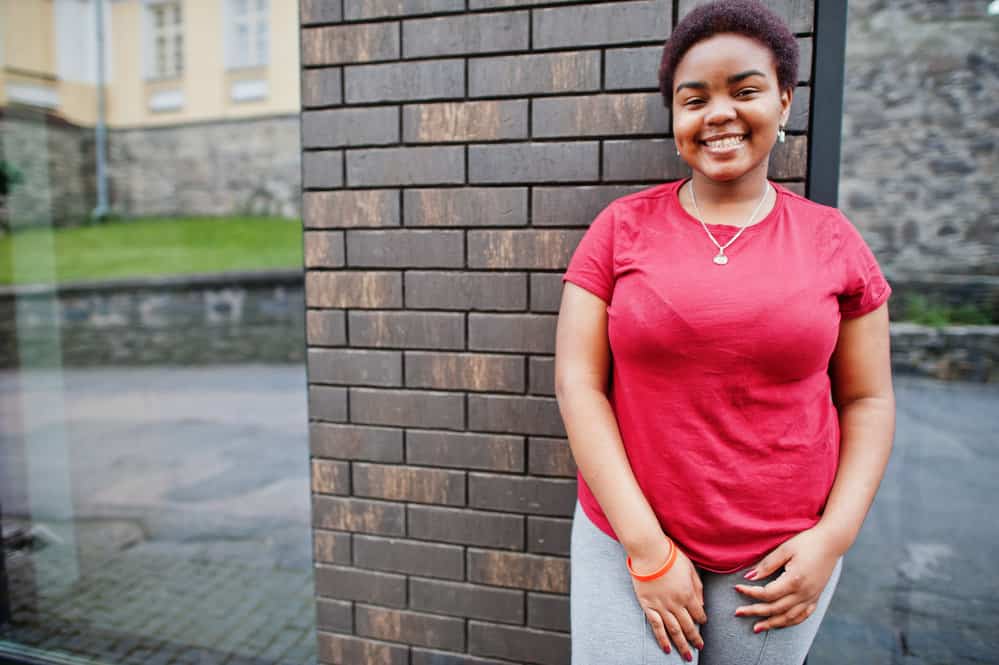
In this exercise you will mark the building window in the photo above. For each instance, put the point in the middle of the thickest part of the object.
(248, 33)
(168, 39)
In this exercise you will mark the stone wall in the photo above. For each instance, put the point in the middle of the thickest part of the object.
(919, 140)
(453, 154)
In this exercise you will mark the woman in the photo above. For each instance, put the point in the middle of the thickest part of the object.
(728, 455)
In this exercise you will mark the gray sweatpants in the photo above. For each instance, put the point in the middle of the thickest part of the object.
(609, 627)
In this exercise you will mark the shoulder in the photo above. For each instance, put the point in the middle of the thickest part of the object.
(645, 199)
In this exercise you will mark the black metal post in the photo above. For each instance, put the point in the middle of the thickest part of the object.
(826, 129)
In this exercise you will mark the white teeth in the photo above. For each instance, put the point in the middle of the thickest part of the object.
(729, 142)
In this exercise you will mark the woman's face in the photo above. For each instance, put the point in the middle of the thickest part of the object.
(727, 106)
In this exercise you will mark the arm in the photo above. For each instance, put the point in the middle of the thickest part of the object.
(862, 391)
(673, 602)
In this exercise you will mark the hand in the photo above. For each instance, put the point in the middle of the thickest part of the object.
(808, 559)
(674, 603)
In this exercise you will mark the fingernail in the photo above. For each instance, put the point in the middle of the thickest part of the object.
(758, 629)
(750, 575)
(688, 657)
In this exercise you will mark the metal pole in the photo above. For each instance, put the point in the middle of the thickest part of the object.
(826, 129)
(101, 130)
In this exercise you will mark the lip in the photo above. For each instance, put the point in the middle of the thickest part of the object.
(716, 137)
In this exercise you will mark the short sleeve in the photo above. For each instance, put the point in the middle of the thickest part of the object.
(863, 286)
(592, 264)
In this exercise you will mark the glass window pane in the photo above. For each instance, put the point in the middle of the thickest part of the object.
(239, 8)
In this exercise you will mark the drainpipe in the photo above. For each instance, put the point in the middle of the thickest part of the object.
(101, 130)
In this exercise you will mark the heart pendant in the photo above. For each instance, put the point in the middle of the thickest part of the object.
(721, 259)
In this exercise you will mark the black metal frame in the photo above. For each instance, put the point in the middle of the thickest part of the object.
(826, 127)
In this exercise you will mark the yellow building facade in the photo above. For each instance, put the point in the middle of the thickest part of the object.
(167, 62)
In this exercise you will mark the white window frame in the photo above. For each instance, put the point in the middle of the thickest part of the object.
(173, 36)
(255, 52)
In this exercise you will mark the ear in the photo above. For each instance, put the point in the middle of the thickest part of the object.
(786, 97)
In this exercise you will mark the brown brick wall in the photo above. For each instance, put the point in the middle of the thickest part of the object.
(454, 151)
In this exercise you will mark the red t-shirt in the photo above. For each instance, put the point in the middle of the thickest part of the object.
(719, 378)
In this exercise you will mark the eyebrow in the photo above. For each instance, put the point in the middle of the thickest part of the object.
(734, 78)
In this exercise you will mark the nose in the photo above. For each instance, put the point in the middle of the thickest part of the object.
(720, 110)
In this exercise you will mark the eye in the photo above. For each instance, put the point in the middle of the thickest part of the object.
(746, 92)
(693, 101)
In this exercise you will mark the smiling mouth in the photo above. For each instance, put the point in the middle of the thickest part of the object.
(724, 143)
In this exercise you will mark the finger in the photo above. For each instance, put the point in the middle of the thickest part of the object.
(768, 609)
(658, 628)
(677, 636)
(689, 627)
(769, 564)
(791, 617)
(778, 588)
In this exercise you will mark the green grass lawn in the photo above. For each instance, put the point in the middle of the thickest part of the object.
(147, 247)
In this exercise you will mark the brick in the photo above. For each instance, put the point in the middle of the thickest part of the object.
(465, 121)
(465, 450)
(429, 330)
(331, 546)
(466, 527)
(367, 290)
(546, 292)
(414, 628)
(467, 600)
(518, 494)
(375, 444)
(573, 206)
(410, 557)
(466, 206)
(800, 105)
(333, 128)
(600, 24)
(464, 371)
(518, 570)
(421, 485)
(503, 413)
(378, 167)
(323, 168)
(549, 535)
(330, 477)
(405, 81)
(632, 68)
(652, 160)
(790, 159)
(407, 408)
(323, 249)
(328, 403)
(344, 583)
(334, 615)
(355, 367)
(531, 333)
(596, 115)
(432, 657)
(551, 457)
(548, 611)
(347, 650)
(534, 74)
(542, 376)
(417, 249)
(534, 250)
(334, 45)
(319, 11)
(491, 4)
(321, 87)
(469, 33)
(533, 162)
(358, 515)
(326, 327)
(796, 187)
(362, 9)
(351, 209)
(466, 290)
(798, 14)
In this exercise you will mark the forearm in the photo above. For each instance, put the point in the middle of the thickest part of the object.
(599, 453)
(867, 426)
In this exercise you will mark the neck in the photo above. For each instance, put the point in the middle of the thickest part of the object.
(746, 189)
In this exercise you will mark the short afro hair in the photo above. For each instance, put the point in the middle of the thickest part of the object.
(750, 18)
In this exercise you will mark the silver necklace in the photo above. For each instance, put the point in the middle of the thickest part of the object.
(720, 258)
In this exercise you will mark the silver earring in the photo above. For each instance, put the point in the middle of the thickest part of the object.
(678, 151)
(781, 134)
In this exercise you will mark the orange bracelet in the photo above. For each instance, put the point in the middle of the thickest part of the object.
(670, 560)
